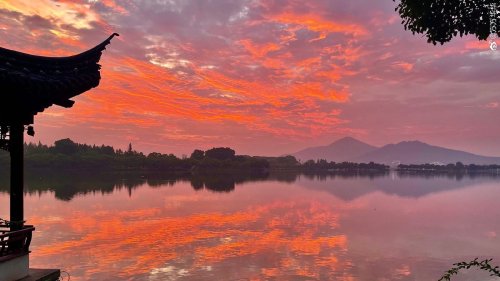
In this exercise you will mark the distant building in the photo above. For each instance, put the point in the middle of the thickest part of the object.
(394, 164)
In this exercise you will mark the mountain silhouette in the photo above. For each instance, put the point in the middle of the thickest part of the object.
(406, 152)
(344, 149)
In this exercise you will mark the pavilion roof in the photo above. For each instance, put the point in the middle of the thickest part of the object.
(29, 84)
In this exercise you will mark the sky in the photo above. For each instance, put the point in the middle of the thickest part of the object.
(264, 77)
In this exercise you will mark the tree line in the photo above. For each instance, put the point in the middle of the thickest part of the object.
(66, 154)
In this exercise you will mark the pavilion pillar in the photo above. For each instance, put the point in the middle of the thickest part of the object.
(16, 148)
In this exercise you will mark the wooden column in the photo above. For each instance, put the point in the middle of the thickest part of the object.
(16, 148)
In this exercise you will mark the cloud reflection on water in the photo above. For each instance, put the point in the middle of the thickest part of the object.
(309, 228)
(277, 239)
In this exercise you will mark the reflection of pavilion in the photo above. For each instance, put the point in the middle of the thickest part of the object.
(30, 84)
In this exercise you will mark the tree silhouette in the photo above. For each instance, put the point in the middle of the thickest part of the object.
(65, 146)
(440, 20)
(197, 154)
(220, 153)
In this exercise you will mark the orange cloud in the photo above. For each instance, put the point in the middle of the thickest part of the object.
(318, 23)
(144, 241)
(60, 13)
(259, 51)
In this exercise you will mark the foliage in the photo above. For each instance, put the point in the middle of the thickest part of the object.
(483, 265)
(220, 153)
(65, 146)
(440, 20)
(197, 154)
(288, 162)
(66, 154)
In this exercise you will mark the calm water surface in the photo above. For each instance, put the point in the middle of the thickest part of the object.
(304, 228)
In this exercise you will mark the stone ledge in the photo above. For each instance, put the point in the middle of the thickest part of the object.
(36, 274)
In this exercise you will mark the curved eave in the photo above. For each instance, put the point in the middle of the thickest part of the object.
(29, 58)
(30, 83)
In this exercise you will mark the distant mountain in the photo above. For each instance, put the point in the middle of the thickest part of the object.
(416, 152)
(406, 152)
(344, 149)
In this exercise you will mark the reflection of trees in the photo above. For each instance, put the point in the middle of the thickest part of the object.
(284, 176)
(224, 182)
(434, 175)
(72, 183)
(68, 184)
(459, 175)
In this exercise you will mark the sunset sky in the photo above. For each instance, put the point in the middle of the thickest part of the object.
(261, 76)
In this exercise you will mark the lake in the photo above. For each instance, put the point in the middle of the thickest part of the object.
(284, 227)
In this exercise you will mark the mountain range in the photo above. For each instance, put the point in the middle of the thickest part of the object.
(406, 152)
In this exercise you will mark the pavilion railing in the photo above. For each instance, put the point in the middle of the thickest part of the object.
(14, 243)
